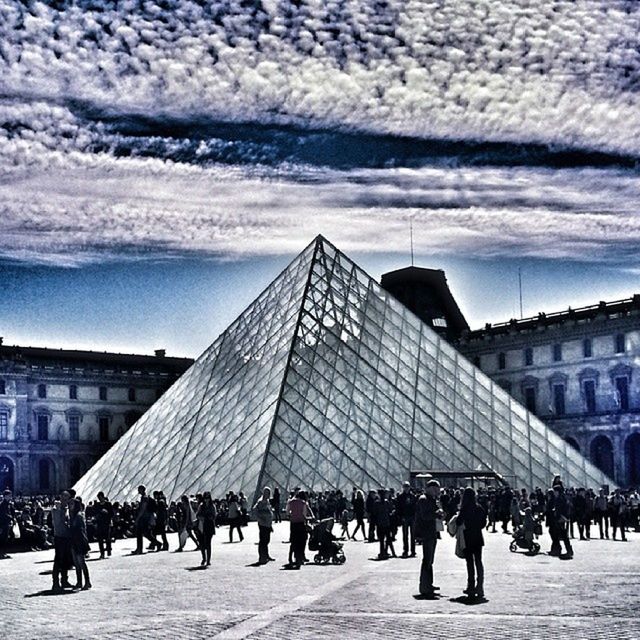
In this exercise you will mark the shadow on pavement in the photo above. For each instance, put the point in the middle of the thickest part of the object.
(44, 561)
(199, 568)
(48, 572)
(50, 592)
(470, 602)
(423, 596)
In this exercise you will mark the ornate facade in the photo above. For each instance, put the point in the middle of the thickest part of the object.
(62, 410)
(577, 370)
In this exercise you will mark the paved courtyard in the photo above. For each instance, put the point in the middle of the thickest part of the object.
(166, 595)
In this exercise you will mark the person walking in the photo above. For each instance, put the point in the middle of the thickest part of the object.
(276, 505)
(161, 520)
(427, 512)
(601, 515)
(186, 523)
(561, 515)
(263, 513)
(370, 505)
(406, 511)
(234, 516)
(474, 519)
(79, 544)
(299, 513)
(145, 519)
(618, 514)
(358, 513)
(62, 560)
(7, 518)
(103, 510)
(206, 517)
(383, 511)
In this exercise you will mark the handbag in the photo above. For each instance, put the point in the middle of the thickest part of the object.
(439, 525)
(460, 543)
(452, 526)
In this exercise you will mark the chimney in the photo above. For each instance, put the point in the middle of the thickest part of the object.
(160, 353)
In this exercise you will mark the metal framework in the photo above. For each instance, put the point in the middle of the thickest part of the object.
(327, 381)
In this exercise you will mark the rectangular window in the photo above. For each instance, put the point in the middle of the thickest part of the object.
(622, 393)
(73, 392)
(42, 391)
(502, 361)
(620, 343)
(103, 424)
(103, 393)
(587, 348)
(43, 427)
(557, 352)
(132, 395)
(590, 395)
(4, 425)
(530, 399)
(558, 399)
(528, 357)
(74, 428)
(3, 387)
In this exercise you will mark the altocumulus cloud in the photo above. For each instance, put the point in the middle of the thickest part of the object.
(158, 128)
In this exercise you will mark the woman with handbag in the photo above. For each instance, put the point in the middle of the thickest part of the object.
(474, 519)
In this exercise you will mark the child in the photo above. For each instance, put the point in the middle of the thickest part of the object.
(529, 526)
(344, 522)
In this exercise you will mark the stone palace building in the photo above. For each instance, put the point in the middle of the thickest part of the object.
(578, 370)
(61, 410)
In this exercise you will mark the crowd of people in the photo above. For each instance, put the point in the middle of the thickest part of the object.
(381, 516)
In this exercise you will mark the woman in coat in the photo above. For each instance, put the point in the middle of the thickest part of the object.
(79, 544)
(474, 519)
(206, 517)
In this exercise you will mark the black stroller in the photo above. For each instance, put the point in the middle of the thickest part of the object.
(325, 544)
(520, 542)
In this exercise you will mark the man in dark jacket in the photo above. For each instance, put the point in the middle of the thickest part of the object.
(406, 511)
(370, 506)
(561, 515)
(7, 518)
(427, 511)
(103, 510)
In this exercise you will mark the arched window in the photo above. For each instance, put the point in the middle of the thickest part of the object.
(602, 454)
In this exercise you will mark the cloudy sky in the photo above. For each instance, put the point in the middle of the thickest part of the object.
(162, 160)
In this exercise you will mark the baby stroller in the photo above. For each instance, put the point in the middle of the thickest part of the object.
(325, 544)
(520, 542)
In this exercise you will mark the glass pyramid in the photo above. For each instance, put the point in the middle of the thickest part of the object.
(327, 381)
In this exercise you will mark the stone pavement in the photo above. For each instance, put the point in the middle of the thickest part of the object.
(166, 595)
